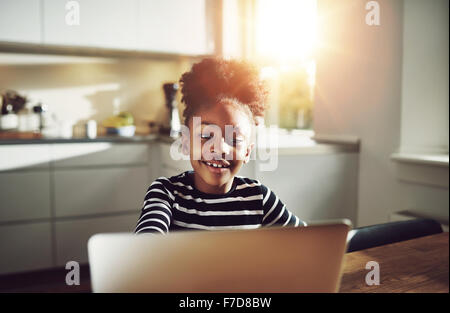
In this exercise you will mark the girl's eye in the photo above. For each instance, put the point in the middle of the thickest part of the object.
(205, 136)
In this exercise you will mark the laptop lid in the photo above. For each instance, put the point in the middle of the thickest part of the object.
(273, 259)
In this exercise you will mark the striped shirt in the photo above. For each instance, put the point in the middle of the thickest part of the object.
(174, 203)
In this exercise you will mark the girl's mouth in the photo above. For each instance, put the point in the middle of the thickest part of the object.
(214, 167)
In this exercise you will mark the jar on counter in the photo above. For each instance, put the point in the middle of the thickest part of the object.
(91, 129)
(10, 120)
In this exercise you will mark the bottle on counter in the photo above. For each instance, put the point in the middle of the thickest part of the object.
(35, 118)
(42, 117)
(174, 127)
(39, 111)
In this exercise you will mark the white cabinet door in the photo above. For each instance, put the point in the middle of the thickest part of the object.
(248, 170)
(24, 195)
(20, 157)
(316, 187)
(20, 21)
(100, 190)
(98, 154)
(172, 164)
(173, 26)
(25, 247)
(102, 23)
(169, 172)
(72, 236)
(154, 162)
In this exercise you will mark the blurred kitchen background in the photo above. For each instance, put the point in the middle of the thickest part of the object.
(359, 100)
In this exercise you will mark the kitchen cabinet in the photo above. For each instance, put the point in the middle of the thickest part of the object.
(171, 166)
(102, 23)
(20, 21)
(95, 178)
(25, 182)
(169, 26)
(98, 154)
(54, 196)
(23, 157)
(25, 247)
(316, 186)
(72, 235)
(99, 190)
(174, 26)
(24, 195)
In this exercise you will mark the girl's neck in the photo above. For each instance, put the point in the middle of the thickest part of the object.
(204, 187)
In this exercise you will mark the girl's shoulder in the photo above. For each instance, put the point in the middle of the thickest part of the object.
(247, 183)
(250, 182)
(172, 182)
(247, 180)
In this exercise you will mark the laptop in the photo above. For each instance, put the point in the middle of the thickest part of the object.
(271, 259)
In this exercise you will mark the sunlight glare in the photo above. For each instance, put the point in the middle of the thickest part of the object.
(286, 29)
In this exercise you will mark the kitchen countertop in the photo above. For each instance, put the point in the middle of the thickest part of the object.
(114, 139)
(286, 144)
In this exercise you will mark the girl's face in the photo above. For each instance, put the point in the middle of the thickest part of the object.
(220, 143)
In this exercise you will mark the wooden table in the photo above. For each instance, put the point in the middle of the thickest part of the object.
(417, 265)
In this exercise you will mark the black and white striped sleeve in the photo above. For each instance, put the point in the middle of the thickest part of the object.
(275, 212)
(156, 214)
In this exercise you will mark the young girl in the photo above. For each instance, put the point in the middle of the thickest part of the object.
(219, 95)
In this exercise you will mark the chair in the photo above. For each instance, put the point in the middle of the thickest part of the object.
(382, 234)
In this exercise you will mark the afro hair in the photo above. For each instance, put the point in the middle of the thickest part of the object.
(214, 79)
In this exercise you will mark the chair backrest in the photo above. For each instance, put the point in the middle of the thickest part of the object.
(382, 234)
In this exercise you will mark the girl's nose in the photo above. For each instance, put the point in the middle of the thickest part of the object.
(221, 147)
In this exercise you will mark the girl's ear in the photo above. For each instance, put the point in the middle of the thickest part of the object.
(248, 152)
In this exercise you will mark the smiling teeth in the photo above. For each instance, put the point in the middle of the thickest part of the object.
(215, 165)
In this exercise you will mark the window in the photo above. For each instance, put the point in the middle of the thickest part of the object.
(285, 37)
(280, 37)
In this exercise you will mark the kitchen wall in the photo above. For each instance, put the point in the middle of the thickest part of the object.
(359, 92)
(425, 95)
(81, 88)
